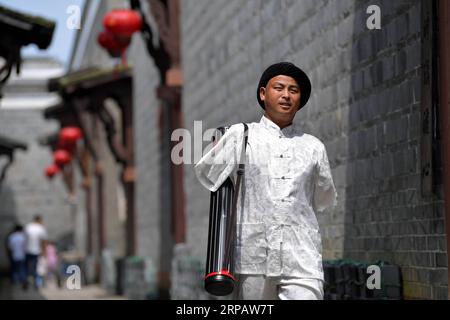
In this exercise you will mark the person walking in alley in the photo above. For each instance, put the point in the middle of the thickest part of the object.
(51, 257)
(17, 247)
(9, 253)
(36, 237)
(278, 250)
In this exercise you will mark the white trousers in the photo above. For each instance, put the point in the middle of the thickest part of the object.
(258, 287)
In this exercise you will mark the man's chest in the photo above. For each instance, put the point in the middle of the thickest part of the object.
(279, 157)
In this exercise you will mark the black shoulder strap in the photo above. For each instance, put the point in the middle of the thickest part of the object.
(241, 168)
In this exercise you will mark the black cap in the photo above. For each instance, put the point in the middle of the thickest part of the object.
(286, 69)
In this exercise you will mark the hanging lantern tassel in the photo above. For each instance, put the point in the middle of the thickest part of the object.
(122, 43)
(115, 45)
(123, 56)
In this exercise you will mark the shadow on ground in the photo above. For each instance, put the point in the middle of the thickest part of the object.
(8, 291)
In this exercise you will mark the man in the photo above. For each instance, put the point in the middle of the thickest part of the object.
(36, 237)
(16, 245)
(287, 180)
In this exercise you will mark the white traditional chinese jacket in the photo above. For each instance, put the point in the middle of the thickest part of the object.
(287, 179)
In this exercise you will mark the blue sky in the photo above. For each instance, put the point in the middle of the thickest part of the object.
(55, 10)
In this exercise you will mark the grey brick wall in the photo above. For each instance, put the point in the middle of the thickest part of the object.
(364, 106)
(147, 152)
(386, 216)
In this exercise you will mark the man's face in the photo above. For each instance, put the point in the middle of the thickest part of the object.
(281, 97)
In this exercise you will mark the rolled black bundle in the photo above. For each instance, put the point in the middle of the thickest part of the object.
(219, 278)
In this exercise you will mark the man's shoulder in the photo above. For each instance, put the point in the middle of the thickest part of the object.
(313, 140)
(237, 129)
(240, 125)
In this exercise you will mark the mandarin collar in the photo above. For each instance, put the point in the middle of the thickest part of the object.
(274, 128)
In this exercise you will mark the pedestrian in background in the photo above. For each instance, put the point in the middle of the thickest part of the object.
(17, 247)
(51, 255)
(41, 271)
(36, 238)
(9, 253)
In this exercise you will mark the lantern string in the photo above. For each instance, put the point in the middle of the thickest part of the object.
(123, 56)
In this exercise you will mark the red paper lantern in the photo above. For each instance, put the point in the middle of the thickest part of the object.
(110, 42)
(122, 22)
(69, 135)
(51, 170)
(61, 157)
(114, 45)
(69, 147)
